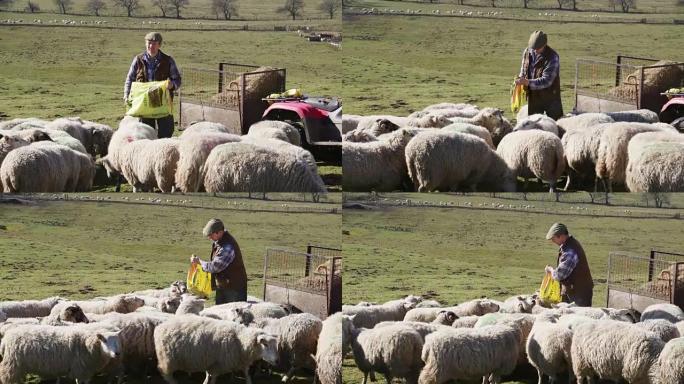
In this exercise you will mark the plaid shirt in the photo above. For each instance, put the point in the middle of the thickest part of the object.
(151, 65)
(223, 257)
(566, 263)
(549, 74)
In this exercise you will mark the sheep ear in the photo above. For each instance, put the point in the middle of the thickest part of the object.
(1, 135)
(521, 298)
(101, 337)
(452, 316)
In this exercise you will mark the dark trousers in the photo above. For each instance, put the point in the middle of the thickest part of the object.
(164, 125)
(583, 299)
(224, 296)
(553, 108)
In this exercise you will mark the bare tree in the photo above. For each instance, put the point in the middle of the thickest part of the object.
(574, 4)
(330, 7)
(177, 5)
(163, 6)
(228, 8)
(660, 199)
(129, 5)
(32, 7)
(562, 3)
(292, 7)
(526, 3)
(64, 5)
(5, 2)
(493, 3)
(627, 4)
(613, 4)
(96, 6)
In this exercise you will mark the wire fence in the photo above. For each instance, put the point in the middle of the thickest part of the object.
(644, 276)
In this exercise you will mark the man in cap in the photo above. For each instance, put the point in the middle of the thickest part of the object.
(540, 72)
(228, 275)
(572, 269)
(154, 65)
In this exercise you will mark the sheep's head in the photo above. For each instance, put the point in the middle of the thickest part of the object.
(384, 126)
(106, 162)
(490, 118)
(129, 303)
(446, 317)
(487, 306)
(102, 135)
(179, 287)
(74, 314)
(109, 343)
(268, 345)
(38, 135)
(170, 304)
(525, 303)
(8, 143)
(241, 315)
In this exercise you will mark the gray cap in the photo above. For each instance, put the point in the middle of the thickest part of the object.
(214, 225)
(556, 229)
(537, 40)
(153, 36)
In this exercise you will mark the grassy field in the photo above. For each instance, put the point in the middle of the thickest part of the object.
(246, 9)
(398, 64)
(458, 254)
(79, 250)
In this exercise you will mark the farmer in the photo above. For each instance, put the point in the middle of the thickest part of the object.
(154, 65)
(572, 269)
(540, 72)
(228, 275)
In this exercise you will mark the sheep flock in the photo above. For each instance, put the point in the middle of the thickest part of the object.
(63, 155)
(129, 336)
(461, 147)
(485, 340)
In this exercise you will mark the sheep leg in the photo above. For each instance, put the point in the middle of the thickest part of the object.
(372, 376)
(540, 374)
(552, 187)
(388, 379)
(288, 375)
(365, 378)
(169, 378)
(248, 377)
(494, 379)
(567, 183)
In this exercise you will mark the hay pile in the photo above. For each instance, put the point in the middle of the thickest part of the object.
(655, 81)
(254, 86)
(662, 284)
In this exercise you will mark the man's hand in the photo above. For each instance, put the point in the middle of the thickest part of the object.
(194, 259)
(548, 269)
(522, 80)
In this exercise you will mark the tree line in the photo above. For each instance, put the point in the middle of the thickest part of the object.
(227, 9)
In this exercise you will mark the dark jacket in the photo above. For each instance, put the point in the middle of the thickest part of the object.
(234, 276)
(579, 283)
(546, 94)
(162, 72)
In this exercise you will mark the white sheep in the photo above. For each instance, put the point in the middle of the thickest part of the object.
(205, 127)
(669, 312)
(176, 288)
(469, 354)
(548, 348)
(168, 304)
(635, 116)
(428, 120)
(119, 303)
(101, 135)
(370, 123)
(534, 154)
(624, 315)
(612, 158)
(583, 120)
(423, 329)
(285, 147)
(429, 304)
(190, 304)
(393, 351)
(75, 127)
(520, 321)
(223, 347)
(367, 317)
(476, 307)
(277, 130)
(33, 122)
(50, 352)
(130, 129)
(257, 310)
(247, 167)
(655, 166)
(71, 313)
(580, 146)
(518, 304)
(671, 363)
(29, 308)
(61, 137)
(465, 322)
(537, 121)
(476, 130)
(147, 164)
(449, 161)
(330, 347)
(614, 350)
(194, 148)
(297, 339)
(378, 165)
(492, 119)
(666, 330)
(359, 137)
(8, 142)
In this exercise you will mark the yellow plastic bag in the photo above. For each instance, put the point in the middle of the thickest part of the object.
(518, 97)
(550, 290)
(150, 100)
(199, 281)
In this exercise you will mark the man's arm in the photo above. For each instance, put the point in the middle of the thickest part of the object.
(130, 77)
(220, 262)
(548, 75)
(566, 264)
(522, 64)
(174, 74)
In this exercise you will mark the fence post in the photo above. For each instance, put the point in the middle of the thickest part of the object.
(610, 263)
(650, 264)
(307, 267)
(265, 270)
(618, 70)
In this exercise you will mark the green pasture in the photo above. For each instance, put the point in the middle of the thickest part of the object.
(399, 64)
(246, 9)
(87, 249)
(456, 254)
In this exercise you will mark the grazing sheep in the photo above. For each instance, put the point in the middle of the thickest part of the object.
(669, 312)
(614, 350)
(51, 352)
(520, 321)
(548, 348)
(62, 169)
(61, 137)
(469, 354)
(177, 288)
(33, 135)
(476, 307)
(624, 315)
(423, 329)
(83, 132)
(666, 330)
(101, 136)
(445, 317)
(119, 303)
(612, 159)
(465, 322)
(168, 304)
(297, 339)
(32, 122)
(71, 313)
(635, 116)
(285, 147)
(378, 165)
(671, 363)
(359, 137)
(329, 350)
(534, 154)
(581, 121)
(655, 166)
(367, 317)
(276, 130)
(449, 161)
(393, 351)
(244, 167)
(190, 305)
(518, 304)
(29, 308)
(537, 121)
(428, 121)
(205, 127)
(199, 344)
(370, 123)
(130, 129)
(492, 119)
(429, 304)
(9, 142)
(379, 127)
(259, 310)
(580, 147)
(476, 130)
(147, 164)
